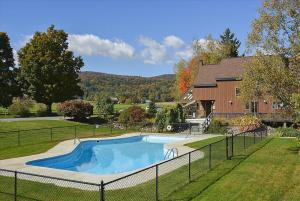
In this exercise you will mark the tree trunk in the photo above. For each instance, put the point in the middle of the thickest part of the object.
(49, 108)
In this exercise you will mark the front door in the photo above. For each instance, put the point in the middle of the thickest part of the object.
(207, 107)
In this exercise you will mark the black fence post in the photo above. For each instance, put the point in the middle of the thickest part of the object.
(19, 142)
(209, 160)
(75, 132)
(156, 183)
(254, 136)
(94, 130)
(227, 154)
(189, 166)
(244, 140)
(102, 198)
(16, 186)
(261, 135)
(232, 146)
(190, 127)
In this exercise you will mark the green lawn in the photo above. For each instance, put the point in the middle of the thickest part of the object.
(168, 183)
(24, 125)
(268, 170)
(117, 107)
(46, 134)
(271, 173)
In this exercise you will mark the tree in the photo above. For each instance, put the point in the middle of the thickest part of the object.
(274, 71)
(161, 120)
(8, 83)
(210, 50)
(296, 103)
(77, 109)
(151, 109)
(105, 107)
(180, 113)
(230, 43)
(48, 70)
(132, 115)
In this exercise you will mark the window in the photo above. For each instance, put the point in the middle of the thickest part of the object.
(247, 106)
(237, 91)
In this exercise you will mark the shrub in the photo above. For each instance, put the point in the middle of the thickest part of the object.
(76, 109)
(20, 108)
(41, 110)
(218, 126)
(247, 123)
(132, 115)
(161, 120)
(286, 132)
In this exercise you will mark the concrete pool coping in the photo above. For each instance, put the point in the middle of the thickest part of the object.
(65, 147)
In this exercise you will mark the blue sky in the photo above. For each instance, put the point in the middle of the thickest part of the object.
(132, 37)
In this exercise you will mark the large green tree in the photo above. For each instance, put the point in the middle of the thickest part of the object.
(48, 70)
(8, 83)
(105, 107)
(230, 43)
(275, 40)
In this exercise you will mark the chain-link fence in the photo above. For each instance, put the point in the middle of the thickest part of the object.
(153, 183)
(43, 135)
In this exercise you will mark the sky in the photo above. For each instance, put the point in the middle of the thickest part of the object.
(132, 37)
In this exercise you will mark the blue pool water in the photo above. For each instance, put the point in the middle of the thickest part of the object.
(111, 156)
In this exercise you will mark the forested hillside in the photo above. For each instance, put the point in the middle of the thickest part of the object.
(128, 88)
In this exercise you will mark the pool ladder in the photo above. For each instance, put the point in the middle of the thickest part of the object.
(171, 152)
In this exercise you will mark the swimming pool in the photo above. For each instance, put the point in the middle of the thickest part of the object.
(111, 156)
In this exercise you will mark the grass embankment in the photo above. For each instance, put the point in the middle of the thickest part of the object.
(42, 138)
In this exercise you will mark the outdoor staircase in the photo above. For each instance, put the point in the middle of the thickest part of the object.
(200, 125)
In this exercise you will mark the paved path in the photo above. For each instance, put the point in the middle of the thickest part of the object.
(33, 119)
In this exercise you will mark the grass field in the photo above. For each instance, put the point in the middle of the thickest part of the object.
(117, 107)
(46, 134)
(175, 180)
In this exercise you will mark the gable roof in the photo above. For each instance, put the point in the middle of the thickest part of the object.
(227, 69)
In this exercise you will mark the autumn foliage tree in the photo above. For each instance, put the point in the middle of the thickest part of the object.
(206, 51)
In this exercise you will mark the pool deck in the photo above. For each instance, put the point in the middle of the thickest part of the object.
(19, 164)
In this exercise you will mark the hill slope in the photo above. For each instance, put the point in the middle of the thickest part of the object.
(130, 88)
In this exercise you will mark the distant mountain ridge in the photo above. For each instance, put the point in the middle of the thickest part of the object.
(128, 87)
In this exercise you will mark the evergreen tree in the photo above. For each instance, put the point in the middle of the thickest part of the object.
(48, 70)
(152, 109)
(230, 43)
(8, 83)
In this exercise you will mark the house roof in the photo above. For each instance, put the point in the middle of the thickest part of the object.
(226, 70)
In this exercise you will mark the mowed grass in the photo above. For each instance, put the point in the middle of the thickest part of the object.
(29, 190)
(271, 173)
(117, 107)
(38, 136)
(172, 186)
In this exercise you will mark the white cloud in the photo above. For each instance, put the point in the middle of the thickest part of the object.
(154, 52)
(186, 53)
(89, 44)
(173, 41)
